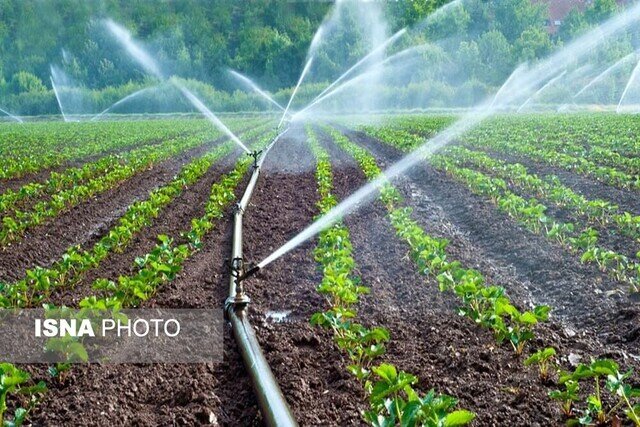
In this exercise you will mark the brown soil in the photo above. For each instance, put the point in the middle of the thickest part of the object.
(609, 237)
(43, 175)
(547, 273)
(591, 188)
(85, 223)
(447, 352)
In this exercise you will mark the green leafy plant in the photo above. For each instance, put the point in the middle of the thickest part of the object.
(607, 377)
(393, 401)
(543, 358)
(13, 381)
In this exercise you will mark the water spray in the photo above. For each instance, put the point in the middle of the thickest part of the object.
(378, 49)
(55, 91)
(375, 68)
(632, 79)
(209, 114)
(525, 82)
(122, 101)
(542, 89)
(605, 73)
(246, 80)
(14, 117)
(305, 70)
(134, 50)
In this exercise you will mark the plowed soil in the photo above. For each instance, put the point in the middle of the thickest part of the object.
(428, 338)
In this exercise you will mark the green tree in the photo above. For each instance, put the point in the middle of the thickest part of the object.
(468, 59)
(513, 17)
(408, 13)
(533, 43)
(24, 81)
(573, 24)
(496, 57)
(600, 10)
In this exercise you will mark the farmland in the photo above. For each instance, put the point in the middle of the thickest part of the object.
(497, 283)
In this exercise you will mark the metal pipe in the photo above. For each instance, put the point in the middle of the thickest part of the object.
(272, 403)
(274, 407)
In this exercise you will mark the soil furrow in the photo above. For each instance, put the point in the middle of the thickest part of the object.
(172, 220)
(541, 271)
(85, 223)
(591, 188)
(305, 362)
(188, 394)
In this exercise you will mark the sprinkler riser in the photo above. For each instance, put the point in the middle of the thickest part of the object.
(272, 403)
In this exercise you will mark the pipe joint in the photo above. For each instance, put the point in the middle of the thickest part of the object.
(237, 209)
(240, 300)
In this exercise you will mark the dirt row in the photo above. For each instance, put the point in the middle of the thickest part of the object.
(85, 223)
(627, 200)
(42, 175)
(552, 276)
(429, 339)
(609, 237)
(158, 394)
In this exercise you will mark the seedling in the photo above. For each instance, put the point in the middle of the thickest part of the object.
(605, 372)
(393, 401)
(544, 359)
(519, 328)
(567, 396)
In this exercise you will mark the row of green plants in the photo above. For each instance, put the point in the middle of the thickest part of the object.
(33, 147)
(608, 138)
(16, 384)
(166, 259)
(603, 138)
(596, 211)
(581, 165)
(596, 146)
(532, 214)
(57, 181)
(69, 269)
(487, 306)
(158, 266)
(390, 392)
(14, 226)
(482, 303)
(68, 178)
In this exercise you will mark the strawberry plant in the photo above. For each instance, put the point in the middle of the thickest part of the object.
(543, 358)
(363, 345)
(567, 396)
(13, 382)
(166, 259)
(607, 378)
(393, 402)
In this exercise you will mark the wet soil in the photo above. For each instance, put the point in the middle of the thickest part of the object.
(85, 223)
(627, 200)
(610, 237)
(42, 175)
(445, 351)
(164, 394)
(581, 295)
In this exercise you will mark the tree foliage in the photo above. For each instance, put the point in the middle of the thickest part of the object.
(265, 39)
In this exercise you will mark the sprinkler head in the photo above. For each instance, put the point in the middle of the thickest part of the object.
(253, 269)
(255, 154)
(241, 299)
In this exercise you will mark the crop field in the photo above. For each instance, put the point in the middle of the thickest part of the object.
(412, 213)
(497, 283)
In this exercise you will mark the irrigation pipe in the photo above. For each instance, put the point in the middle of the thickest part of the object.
(274, 407)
